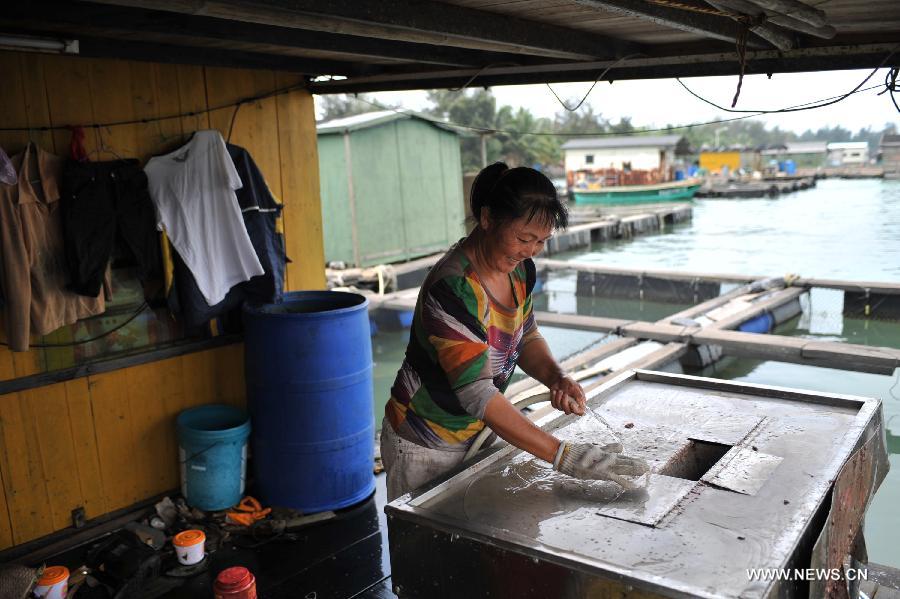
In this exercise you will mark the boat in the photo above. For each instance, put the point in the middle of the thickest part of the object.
(671, 191)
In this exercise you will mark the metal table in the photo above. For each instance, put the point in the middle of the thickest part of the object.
(741, 478)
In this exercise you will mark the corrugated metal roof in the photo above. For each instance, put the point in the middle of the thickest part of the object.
(797, 147)
(848, 145)
(628, 141)
(374, 119)
(890, 140)
(380, 45)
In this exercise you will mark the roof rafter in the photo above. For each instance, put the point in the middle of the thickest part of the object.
(711, 26)
(694, 64)
(424, 21)
(97, 19)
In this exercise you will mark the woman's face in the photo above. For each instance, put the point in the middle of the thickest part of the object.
(513, 241)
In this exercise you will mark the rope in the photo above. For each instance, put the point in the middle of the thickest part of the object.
(741, 46)
(599, 77)
(800, 107)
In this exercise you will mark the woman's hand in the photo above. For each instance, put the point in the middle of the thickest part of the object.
(567, 395)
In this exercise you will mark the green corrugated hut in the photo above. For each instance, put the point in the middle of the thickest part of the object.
(391, 187)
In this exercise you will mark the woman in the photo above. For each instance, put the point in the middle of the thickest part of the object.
(473, 324)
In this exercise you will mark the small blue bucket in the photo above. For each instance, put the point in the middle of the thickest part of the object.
(212, 451)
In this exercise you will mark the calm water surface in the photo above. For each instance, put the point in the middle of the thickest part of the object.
(842, 229)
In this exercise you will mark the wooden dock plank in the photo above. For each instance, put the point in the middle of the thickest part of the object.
(798, 350)
(662, 274)
(582, 323)
(574, 363)
(710, 304)
(759, 307)
(829, 354)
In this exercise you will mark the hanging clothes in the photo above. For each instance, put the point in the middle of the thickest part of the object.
(33, 269)
(103, 202)
(193, 190)
(260, 211)
(7, 172)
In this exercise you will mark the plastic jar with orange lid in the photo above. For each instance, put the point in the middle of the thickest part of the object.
(53, 583)
(190, 547)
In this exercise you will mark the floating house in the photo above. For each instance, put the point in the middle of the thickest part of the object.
(725, 160)
(889, 151)
(635, 168)
(389, 171)
(850, 153)
(627, 160)
(804, 153)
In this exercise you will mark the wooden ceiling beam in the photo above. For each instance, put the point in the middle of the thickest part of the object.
(422, 21)
(95, 19)
(175, 54)
(688, 65)
(708, 25)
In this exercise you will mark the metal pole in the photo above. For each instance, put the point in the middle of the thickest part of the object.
(483, 150)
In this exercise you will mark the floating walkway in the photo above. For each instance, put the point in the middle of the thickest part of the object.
(720, 325)
(756, 189)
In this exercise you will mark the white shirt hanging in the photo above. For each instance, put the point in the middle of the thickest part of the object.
(193, 189)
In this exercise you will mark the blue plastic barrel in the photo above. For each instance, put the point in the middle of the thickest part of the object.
(759, 324)
(309, 390)
(212, 447)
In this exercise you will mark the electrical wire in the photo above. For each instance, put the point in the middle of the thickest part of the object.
(891, 85)
(599, 77)
(798, 108)
(406, 112)
(92, 339)
(303, 85)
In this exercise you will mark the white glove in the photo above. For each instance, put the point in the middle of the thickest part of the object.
(589, 461)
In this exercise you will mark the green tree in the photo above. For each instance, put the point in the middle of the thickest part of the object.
(583, 120)
(336, 106)
(471, 108)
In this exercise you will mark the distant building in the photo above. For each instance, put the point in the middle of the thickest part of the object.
(391, 187)
(629, 160)
(803, 153)
(850, 153)
(719, 160)
(889, 150)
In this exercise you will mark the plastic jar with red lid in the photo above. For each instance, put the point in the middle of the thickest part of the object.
(235, 583)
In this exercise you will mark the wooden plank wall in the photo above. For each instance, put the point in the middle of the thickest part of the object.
(107, 441)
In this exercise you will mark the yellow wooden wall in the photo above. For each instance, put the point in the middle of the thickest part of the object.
(107, 441)
(714, 161)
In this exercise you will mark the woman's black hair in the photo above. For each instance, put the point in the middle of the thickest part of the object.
(512, 193)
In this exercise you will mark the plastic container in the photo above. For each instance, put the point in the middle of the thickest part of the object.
(190, 547)
(53, 584)
(308, 367)
(235, 583)
(212, 449)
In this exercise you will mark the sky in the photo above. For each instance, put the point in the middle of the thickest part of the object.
(663, 101)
